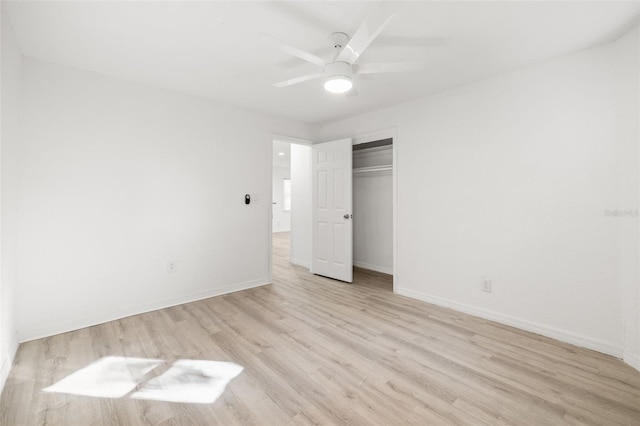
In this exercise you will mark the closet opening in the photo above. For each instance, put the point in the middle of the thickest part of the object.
(373, 208)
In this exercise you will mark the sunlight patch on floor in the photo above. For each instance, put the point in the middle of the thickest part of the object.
(108, 377)
(186, 381)
(190, 381)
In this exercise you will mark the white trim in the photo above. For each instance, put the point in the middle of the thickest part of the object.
(299, 262)
(383, 269)
(375, 136)
(632, 359)
(270, 215)
(38, 332)
(7, 361)
(394, 171)
(544, 330)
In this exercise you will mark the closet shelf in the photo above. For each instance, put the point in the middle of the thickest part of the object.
(372, 169)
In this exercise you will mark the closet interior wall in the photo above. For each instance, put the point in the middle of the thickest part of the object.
(373, 206)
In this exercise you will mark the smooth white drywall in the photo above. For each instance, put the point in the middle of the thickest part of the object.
(373, 211)
(281, 219)
(117, 179)
(509, 178)
(626, 89)
(373, 221)
(300, 205)
(11, 81)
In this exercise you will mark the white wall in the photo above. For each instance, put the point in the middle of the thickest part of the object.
(373, 221)
(281, 218)
(119, 178)
(11, 76)
(509, 178)
(300, 205)
(627, 140)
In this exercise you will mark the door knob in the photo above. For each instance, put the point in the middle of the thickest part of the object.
(347, 216)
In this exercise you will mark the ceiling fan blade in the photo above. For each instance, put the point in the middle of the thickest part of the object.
(352, 93)
(382, 67)
(297, 80)
(368, 31)
(294, 51)
(295, 62)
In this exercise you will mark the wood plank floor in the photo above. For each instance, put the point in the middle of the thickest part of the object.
(317, 351)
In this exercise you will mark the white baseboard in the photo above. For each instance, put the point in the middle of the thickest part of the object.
(632, 359)
(299, 262)
(38, 332)
(544, 330)
(383, 269)
(7, 361)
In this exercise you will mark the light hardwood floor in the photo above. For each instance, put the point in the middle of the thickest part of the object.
(317, 351)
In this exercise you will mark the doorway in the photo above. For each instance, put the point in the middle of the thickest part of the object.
(291, 202)
(281, 188)
(353, 222)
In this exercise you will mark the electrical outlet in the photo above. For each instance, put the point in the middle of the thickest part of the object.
(172, 266)
(485, 284)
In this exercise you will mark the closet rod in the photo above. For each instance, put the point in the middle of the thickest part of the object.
(372, 169)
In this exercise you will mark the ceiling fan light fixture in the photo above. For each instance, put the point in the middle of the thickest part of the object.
(338, 84)
(338, 77)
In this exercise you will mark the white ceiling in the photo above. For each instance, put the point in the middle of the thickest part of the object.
(215, 49)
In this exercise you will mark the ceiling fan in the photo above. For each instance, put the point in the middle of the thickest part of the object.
(338, 73)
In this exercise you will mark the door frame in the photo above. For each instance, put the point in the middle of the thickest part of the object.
(291, 140)
(391, 132)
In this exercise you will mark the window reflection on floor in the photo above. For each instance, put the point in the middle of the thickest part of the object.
(187, 381)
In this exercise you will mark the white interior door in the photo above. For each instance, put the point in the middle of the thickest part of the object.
(332, 231)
